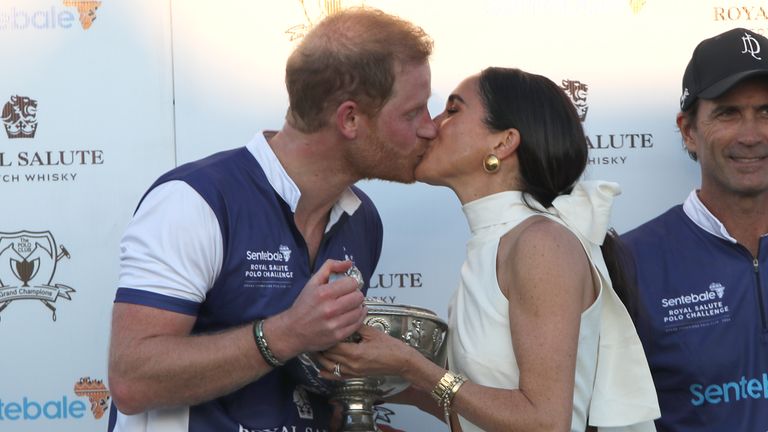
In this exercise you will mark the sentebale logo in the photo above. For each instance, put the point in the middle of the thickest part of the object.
(731, 391)
(96, 392)
(86, 9)
(23, 16)
(283, 254)
(717, 288)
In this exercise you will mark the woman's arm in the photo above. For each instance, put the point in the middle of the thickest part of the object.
(418, 399)
(544, 273)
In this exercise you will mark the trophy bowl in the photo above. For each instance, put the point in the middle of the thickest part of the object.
(415, 326)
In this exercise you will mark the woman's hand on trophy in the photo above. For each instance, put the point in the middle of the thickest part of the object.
(376, 354)
(325, 313)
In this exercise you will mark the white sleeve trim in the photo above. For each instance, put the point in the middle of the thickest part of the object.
(173, 244)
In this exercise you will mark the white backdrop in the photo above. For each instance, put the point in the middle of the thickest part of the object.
(148, 84)
(104, 113)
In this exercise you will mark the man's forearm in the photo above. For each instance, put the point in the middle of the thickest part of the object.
(159, 371)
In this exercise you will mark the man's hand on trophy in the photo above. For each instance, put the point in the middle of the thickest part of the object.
(325, 313)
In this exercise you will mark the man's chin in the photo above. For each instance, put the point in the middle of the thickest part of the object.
(403, 175)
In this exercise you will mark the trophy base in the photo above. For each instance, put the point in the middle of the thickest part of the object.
(362, 420)
(357, 398)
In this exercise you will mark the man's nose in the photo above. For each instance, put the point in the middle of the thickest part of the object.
(428, 128)
(753, 130)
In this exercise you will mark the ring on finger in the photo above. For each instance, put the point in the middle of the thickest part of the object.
(337, 369)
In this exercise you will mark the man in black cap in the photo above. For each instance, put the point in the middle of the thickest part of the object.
(702, 267)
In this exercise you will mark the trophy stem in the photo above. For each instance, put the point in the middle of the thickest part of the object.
(357, 400)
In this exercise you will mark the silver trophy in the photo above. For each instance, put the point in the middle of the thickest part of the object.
(418, 327)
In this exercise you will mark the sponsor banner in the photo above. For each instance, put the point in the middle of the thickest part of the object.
(39, 16)
(31, 164)
(752, 15)
(86, 124)
(79, 407)
(99, 100)
(395, 287)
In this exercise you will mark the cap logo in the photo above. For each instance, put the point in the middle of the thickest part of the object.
(751, 46)
(684, 96)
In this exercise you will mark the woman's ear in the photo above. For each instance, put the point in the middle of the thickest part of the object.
(507, 144)
(348, 119)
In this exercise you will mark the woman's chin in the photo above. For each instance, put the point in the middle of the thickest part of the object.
(423, 178)
(423, 175)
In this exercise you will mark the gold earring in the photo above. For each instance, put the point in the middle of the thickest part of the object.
(491, 163)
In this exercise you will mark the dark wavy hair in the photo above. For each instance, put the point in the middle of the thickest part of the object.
(553, 148)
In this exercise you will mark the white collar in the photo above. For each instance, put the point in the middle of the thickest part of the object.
(701, 216)
(285, 186)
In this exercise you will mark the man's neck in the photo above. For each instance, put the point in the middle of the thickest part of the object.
(745, 217)
(312, 162)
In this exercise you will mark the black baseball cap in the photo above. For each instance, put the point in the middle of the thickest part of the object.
(720, 62)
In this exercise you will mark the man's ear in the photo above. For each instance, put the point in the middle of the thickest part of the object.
(686, 131)
(509, 141)
(348, 119)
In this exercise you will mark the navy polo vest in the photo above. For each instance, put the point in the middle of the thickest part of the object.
(265, 266)
(702, 320)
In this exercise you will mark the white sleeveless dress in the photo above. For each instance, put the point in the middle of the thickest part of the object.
(613, 386)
